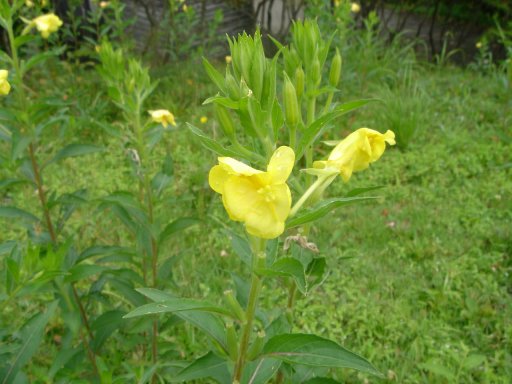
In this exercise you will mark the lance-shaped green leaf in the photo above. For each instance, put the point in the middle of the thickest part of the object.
(323, 208)
(176, 226)
(315, 351)
(178, 305)
(207, 322)
(16, 213)
(207, 366)
(260, 371)
(289, 267)
(359, 191)
(31, 336)
(214, 75)
(316, 129)
(214, 146)
(73, 150)
(321, 380)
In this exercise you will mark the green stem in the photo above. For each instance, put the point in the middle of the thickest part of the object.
(258, 261)
(147, 198)
(328, 102)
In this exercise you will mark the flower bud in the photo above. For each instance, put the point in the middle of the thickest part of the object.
(257, 346)
(225, 121)
(334, 75)
(231, 339)
(291, 104)
(234, 305)
(299, 82)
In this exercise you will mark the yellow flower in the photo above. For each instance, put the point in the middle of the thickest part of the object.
(261, 200)
(357, 151)
(337, 3)
(478, 45)
(46, 24)
(163, 116)
(228, 59)
(354, 7)
(104, 4)
(5, 87)
(185, 8)
(203, 119)
(29, 3)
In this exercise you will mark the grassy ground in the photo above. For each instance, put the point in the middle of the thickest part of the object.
(420, 281)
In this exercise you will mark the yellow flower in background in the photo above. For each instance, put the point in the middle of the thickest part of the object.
(162, 116)
(185, 8)
(261, 200)
(357, 151)
(337, 3)
(355, 7)
(478, 45)
(203, 119)
(228, 59)
(45, 24)
(5, 87)
(29, 3)
(104, 4)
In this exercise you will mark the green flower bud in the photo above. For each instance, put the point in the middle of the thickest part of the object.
(334, 75)
(257, 346)
(234, 305)
(291, 104)
(299, 82)
(231, 339)
(225, 121)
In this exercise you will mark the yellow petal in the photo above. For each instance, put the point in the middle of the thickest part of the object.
(262, 222)
(282, 201)
(239, 197)
(281, 165)
(217, 178)
(237, 167)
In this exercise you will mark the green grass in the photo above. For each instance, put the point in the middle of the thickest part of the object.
(420, 281)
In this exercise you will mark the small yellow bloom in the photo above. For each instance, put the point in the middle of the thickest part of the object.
(185, 8)
(29, 3)
(5, 87)
(261, 200)
(163, 116)
(354, 7)
(104, 4)
(228, 59)
(46, 24)
(203, 119)
(337, 3)
(478, 45)
(357, 151)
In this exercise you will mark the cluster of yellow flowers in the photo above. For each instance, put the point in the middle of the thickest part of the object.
(262, 200)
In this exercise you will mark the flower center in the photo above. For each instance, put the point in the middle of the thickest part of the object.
(267, 193)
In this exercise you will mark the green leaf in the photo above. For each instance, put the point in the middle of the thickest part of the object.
(178, 305)
(242, 248)
(177, 226)
(104, 326)
(41, 57)
(214, 75)
(212, 145)
(323, 208)
(321, 380)
(16, 213)
(315, 129)
(31, 335)
(73, 150)
(81, 271)
(315, 351)
(207, 322)
(289, 267)
(359, 191)
(209, 365)
(260, 371)
(224, 101)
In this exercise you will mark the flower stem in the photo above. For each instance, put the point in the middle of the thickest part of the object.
(258, 260)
